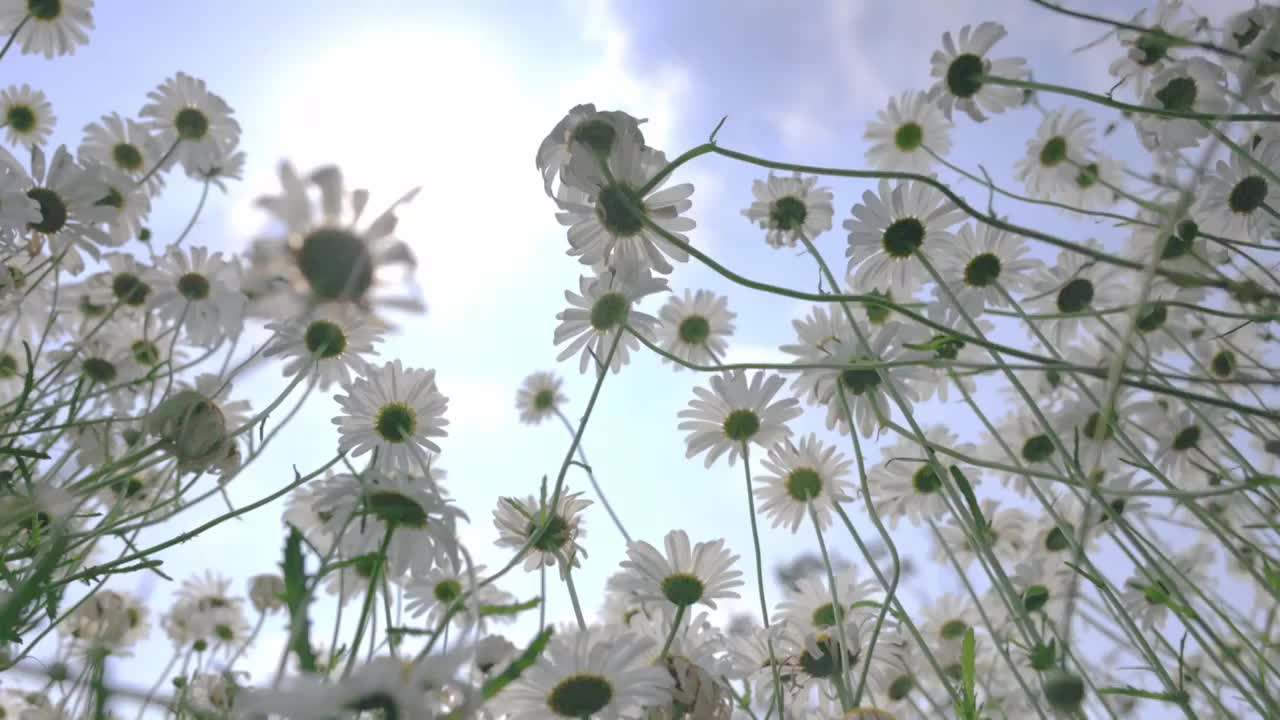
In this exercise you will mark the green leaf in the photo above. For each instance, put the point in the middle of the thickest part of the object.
(1086, 574)
(53, 599)
(30, 589)
(516, 609)
(1180, 697)
(22, 452)
(971, 500)
(295, 598)
(495, 684)
(968, 700)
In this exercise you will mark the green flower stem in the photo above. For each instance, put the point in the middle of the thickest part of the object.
(891, 388)
(968, 209)
(366, 610)
(1120, 521)
(204, 196)
(900, 612)
(160, 163)
(987, 182)
(14, 35)
(841, 679)
(1174, 40)
(671, 636)
(301, 480)
(986, 619)
(582, 457)
(1108, 591)
(880, 302)
(764, 603)
(1256, 164)
(573, 592)
(1123, 106)
(537, 534)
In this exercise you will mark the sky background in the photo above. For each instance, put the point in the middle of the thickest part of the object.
(454, 98)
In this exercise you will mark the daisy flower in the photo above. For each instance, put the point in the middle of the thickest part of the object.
(1238, 201)
(804, 476)
(301, 512)
(947, 618)
(1181, 248)
(70, 215)
(961, 62)
(888, 228)
(1147, 53)
(394, 411)
(144, 336)
(206, 617)
(1097, 185)
(789, 208)
(129, 201)
(126, 282)
(1147, 594)
(683, 576)
(1186, 444)
(809, 659)
(200, 290)
(1008, 530)
(190, 122)
(904, 483)
(810, 607)
(324, 255)
(387, 687)
(694, 327)
(436, 592)
(824, 326)
(539, 397)
(124, 145)
(18, 210)
(733, 413)
(1043, 585)
(27, 115)
(982, 259)
(331, 342)
(606, 217)
(100, 361)
(419, 518)
(107, 620)
(693, 660)
(494, 654)
(601, 310)
(224, 162)
(598, 673)
(1063, 141)
(1093, 439)
(517, 520)
(1230, 355)
(48, 28)
(1194, 85)
(863, 387)
(1242, 33)
(1026, 438)
(13, 370)
(902, 134)
(1071, 289)
(586, 131)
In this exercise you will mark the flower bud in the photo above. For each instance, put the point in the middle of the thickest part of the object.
(266, 592)
(194, 431)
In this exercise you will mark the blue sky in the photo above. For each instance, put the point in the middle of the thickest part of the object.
(454, 97)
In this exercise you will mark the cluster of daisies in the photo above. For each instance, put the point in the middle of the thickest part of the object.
(1078, 431)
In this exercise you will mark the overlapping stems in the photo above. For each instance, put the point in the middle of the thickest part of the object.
(1114, 380)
